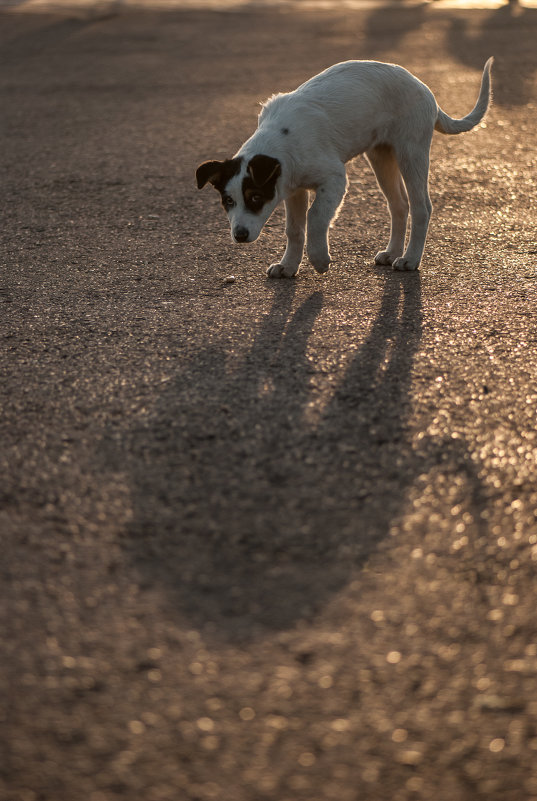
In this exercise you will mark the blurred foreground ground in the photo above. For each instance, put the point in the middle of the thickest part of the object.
(262, 541)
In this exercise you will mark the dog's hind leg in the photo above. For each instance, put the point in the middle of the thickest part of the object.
(382, 159)
(296, 207)
(328, 199)
(414, 166)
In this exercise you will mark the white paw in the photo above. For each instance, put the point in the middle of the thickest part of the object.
(384, 258)
(320, 260)
(405, 264)
(279, 270)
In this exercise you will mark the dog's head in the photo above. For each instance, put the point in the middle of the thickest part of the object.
(248, 190)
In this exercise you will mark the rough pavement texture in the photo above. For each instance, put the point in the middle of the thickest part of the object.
(261, 540)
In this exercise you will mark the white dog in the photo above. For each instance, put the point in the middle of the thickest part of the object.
(303, 141)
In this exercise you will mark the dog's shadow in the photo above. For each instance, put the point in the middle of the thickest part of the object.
(259, 488)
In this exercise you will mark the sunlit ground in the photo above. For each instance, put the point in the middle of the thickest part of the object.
(38, 5)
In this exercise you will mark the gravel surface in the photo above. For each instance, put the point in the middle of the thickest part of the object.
(262, 540)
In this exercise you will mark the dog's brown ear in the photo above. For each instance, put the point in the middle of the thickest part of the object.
(264, 168)
(209, 172)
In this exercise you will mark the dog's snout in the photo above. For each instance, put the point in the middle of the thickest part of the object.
(241, 234)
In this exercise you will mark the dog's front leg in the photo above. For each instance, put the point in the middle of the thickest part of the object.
(328, 199)
(296, 207)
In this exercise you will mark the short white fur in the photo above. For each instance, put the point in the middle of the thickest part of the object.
(356, 107)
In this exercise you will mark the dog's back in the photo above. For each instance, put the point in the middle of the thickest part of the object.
(352, 107)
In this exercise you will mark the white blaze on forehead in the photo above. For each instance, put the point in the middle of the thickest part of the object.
(234, 187)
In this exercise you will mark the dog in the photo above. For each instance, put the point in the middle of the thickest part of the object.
(304, 140)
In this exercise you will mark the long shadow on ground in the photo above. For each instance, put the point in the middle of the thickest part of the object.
(251, 511)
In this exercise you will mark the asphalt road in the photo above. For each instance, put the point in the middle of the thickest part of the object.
(262, 540)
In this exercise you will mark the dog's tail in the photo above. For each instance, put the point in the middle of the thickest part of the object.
(447, 125)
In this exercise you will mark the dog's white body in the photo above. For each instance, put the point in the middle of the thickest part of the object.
(305, 138)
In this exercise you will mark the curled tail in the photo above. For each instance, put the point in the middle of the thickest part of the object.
(447, 125)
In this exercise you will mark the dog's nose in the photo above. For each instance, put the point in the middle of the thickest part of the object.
(241, 234)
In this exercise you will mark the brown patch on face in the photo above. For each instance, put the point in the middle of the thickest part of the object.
(259, 185)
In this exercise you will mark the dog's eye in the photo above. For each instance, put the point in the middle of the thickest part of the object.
(228, 202)
(257, 199)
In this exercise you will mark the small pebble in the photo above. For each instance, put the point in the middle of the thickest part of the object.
(230, 279)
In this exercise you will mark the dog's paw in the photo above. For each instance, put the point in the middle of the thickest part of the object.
(322, 267)
(403, 264)
(320, 261)
(279, 270)
(384, 258)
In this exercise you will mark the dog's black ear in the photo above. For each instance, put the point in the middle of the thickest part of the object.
(209, 172)
(264, 168)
